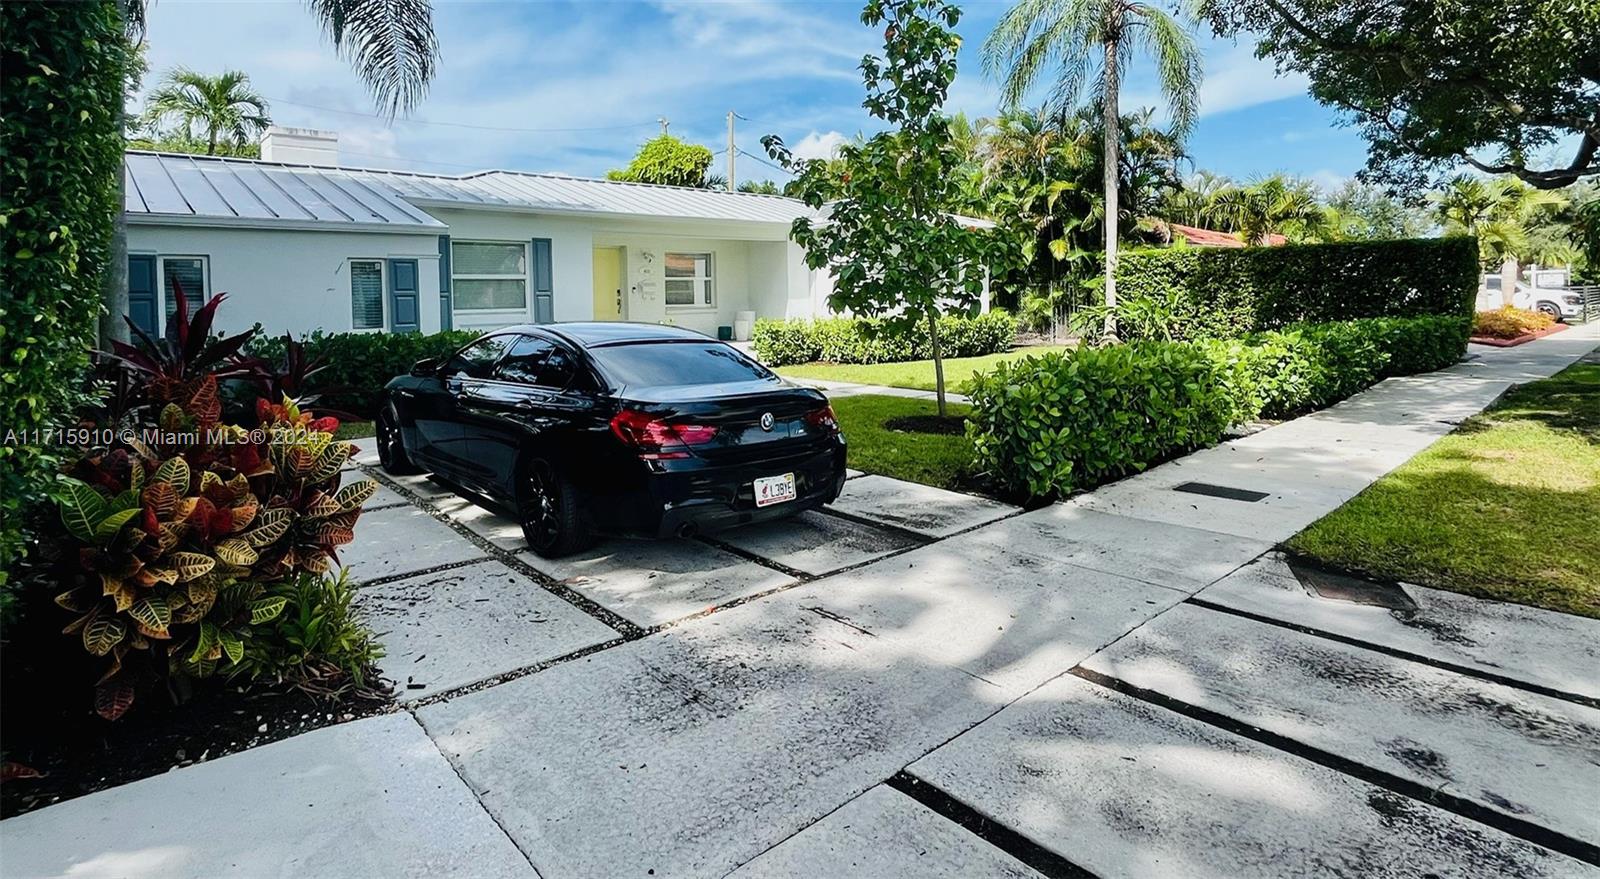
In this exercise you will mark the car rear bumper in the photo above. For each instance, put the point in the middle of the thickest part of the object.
(685, 497)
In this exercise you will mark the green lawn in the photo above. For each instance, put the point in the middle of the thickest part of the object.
(1506, 507)
(929, 458)
(351, 430)
(911, 374)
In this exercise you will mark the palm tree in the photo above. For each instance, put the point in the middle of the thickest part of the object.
(1096, 38)
(1501, 213)
(223, 108)
(1274, 206)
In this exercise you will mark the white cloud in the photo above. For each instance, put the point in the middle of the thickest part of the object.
(1327, 179)
(1236, 79)
(819, 146)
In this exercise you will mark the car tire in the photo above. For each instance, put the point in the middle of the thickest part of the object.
(392, 455)
(549, 511)
(1551, 309)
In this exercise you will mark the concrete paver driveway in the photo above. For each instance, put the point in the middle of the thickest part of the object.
(921, 683)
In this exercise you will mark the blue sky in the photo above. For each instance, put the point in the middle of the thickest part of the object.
(593, 77)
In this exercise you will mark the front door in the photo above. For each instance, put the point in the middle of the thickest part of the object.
(608, 283)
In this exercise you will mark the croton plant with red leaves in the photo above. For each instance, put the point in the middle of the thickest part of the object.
(177, 539)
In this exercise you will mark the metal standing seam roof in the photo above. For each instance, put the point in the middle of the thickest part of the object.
(187, 188)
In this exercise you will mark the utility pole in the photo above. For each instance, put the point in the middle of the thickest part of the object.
(731, 153)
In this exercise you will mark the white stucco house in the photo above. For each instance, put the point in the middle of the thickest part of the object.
(300, 243)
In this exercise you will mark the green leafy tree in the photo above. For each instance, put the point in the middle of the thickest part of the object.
(888, 235)
(760, 187)
(667, 161)
(1496, 84)
(1096, 39)
(1361, 211)
(215, 111)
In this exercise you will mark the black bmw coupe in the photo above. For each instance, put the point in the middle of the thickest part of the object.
(614, 428)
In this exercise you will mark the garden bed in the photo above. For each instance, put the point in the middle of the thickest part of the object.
(1518, 340)
(79, 753)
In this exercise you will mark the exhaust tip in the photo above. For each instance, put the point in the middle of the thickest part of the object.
(687, 530)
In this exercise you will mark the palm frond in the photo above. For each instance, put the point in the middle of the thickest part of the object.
(390, 43)
(1178, 64)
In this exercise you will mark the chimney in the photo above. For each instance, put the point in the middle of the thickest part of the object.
(300, 146)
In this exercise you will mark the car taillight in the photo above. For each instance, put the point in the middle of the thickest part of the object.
(655, 438)
(823, 419)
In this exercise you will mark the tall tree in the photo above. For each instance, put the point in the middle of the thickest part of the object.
(216, 110)
(1364, 212)
(1495, 84)
(889, 237)
(668, 161)
(1095, 40)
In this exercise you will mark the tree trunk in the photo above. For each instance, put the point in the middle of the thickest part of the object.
(114, 280)
(938, 360)
(211, 145)
(1113, 136)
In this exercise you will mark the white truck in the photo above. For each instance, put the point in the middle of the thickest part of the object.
(1546, 290)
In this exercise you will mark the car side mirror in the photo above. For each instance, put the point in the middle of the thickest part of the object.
(425, 367)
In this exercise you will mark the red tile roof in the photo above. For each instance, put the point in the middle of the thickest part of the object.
(1211, 238)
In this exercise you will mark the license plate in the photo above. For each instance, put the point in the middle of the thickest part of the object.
(774, 490)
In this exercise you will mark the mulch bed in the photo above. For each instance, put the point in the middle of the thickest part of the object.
(948, 425)
(48, 726)
(1522, 339)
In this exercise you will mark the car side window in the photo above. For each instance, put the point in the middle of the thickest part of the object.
(525, 361)
(560, 368)
(478, 359)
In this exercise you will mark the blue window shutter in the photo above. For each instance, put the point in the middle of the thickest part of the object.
(544, 307)
(446, 304)
(403, 296)
(142, 292)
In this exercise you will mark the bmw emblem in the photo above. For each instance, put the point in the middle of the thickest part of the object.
(766, 421)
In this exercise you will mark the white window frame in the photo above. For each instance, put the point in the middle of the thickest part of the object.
(710, 279)
(526, 277)
(383, 292)
(161, 285)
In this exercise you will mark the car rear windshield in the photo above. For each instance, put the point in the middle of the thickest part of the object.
(657, 364)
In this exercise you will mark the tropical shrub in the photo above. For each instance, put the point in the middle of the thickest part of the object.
(872, 340)
(1047, 424)
(1510, 322)
(177, 532)
(1050, 425)
(352, 368)
(317, 644)
(63, 67)
(1190, 293)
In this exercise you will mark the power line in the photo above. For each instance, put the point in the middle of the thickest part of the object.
(750, 155)
(459, 124)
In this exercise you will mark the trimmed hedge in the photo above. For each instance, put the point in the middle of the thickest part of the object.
(1226, 293)
(64, 67)
(358, 365)
(1070, 420)
(868, 340)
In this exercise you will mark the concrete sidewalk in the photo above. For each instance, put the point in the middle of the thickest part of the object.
(1129, 684)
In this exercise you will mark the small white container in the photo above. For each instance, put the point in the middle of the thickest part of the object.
(743, 321)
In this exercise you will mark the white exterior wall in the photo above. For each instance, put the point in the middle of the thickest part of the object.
(299, 282)
(292, 281)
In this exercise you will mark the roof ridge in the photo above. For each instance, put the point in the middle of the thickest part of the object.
(587, 179)
(434, 175)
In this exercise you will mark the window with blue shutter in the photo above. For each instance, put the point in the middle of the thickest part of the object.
(366, 294)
